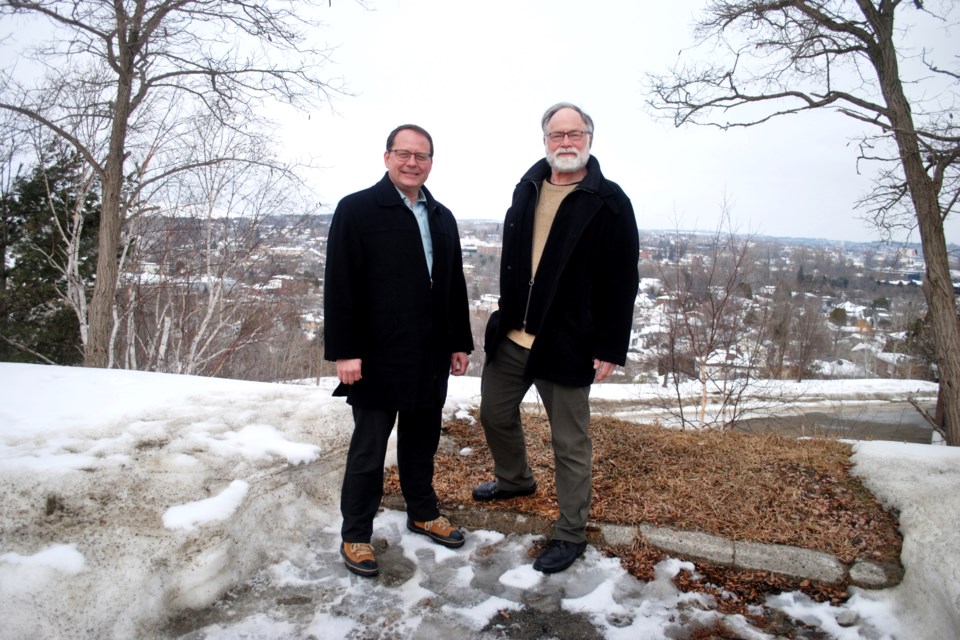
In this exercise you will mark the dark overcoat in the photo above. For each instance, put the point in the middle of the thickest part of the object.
(382, 305)
(580, 305)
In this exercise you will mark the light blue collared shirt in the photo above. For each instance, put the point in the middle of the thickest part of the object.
(419, 209)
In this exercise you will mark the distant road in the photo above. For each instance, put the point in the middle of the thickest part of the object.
(861, 409)
(896, 421)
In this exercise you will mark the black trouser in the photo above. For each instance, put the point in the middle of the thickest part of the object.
(418, 435)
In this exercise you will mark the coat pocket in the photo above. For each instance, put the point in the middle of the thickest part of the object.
(490, 333)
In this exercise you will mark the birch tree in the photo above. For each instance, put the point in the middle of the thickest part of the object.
(9, 221)
(49, 250)
(195, 294)
(154, 67)
(756, 60)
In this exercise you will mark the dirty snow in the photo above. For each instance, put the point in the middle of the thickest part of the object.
(151, 505)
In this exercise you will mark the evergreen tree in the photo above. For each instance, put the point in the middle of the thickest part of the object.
(838, 316)
(37, 323)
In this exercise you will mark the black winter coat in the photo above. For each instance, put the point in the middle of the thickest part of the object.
(382, 306)
(580, 306)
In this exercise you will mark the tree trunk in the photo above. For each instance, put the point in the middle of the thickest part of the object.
(938, 290)
(938, 286)
(97, 352)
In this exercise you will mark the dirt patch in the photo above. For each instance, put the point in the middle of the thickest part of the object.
(534, 624)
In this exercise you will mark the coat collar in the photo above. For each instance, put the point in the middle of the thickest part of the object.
(593, 182)
(389, 196)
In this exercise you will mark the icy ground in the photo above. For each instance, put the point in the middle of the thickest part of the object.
(487, 589)
(140, 505)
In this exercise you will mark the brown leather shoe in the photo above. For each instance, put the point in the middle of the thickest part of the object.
(359, 558)
(440, 531)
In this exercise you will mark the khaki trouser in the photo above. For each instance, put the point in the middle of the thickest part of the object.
(503, 386)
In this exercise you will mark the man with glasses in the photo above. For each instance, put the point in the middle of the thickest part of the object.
(396, 321)
(568, 282)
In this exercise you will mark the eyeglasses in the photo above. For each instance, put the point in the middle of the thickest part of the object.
(575, 136)
(403, 155)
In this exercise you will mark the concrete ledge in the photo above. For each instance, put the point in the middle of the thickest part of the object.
(785, 560)
(692, 544)
(790, 561)
(617, 535)
(875, 575)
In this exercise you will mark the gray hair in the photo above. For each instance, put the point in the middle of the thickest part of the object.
(552, 111)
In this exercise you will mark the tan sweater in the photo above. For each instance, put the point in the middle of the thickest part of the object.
(551, 195)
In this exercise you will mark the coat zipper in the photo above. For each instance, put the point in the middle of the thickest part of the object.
(526, 310)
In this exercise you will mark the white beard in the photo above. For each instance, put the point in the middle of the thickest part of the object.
(567, 164)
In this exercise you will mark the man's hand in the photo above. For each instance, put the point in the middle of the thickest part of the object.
(603, 369)
(458, 363)
(348, 371)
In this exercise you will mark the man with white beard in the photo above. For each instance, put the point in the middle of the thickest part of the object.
(568, 282)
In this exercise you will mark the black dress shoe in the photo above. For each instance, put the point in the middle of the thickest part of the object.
(558, 555)
(489, 491)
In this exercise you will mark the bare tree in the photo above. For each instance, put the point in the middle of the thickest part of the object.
(153, 68)
(810, 337)
(195, 290)
(780, 330)
(707, 335)
(10, 144)
(781, 57)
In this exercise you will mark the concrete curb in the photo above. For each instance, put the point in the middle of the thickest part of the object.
(794, 562)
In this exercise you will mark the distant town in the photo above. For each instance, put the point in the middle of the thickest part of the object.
(710, 304)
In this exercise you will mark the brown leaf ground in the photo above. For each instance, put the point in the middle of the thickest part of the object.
(748, 487)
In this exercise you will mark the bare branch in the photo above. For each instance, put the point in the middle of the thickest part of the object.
(148, 70)
(785, 57)
(60, 131)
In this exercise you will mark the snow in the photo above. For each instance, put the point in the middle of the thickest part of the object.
(61, 557)
(132, 498)
(190, 516)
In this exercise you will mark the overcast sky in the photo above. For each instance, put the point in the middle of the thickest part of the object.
(478, 76)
